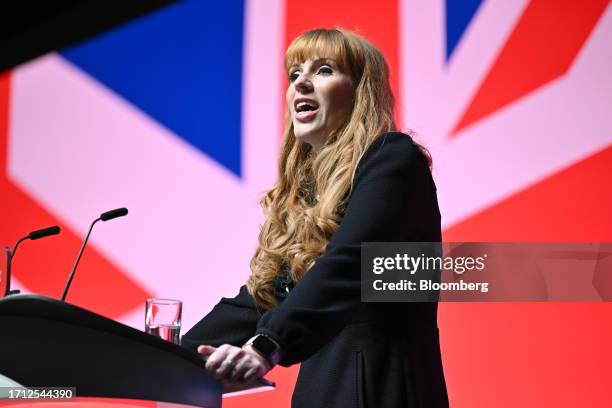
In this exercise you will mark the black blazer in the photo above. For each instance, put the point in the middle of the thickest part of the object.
(354, 354)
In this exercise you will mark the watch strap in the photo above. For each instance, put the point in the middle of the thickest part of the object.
(265, 346)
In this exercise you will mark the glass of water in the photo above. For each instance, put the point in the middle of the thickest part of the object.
(163, 319)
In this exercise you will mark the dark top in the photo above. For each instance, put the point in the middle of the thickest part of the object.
(354, 354)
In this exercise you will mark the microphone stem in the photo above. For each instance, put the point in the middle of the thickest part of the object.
(9, 263)
(16, 245)
(65, 292)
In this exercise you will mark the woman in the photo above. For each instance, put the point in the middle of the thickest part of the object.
(346, 177)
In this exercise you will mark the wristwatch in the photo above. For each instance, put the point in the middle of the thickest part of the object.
(266, 347)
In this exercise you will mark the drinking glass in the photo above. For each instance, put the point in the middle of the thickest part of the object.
(163, 319)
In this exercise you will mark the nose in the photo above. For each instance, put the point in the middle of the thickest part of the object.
(303, 84)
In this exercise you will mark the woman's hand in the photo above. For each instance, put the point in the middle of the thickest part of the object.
(234, 364)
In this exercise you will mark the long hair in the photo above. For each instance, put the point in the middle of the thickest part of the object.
(304, 207)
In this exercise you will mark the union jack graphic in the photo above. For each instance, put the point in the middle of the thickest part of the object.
(177, 115)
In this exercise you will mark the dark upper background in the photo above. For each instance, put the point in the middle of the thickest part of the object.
(31, 28)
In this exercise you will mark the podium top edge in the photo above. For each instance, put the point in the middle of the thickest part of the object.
(43, 307)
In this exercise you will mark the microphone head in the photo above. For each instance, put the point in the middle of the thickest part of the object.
(118, 212)
(45, 232)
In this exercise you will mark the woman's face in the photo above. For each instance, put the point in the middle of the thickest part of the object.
(320, 99)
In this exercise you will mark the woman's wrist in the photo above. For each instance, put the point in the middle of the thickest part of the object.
(250, 350)
(266, 347)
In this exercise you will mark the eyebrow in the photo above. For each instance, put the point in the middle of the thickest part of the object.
(315, 62)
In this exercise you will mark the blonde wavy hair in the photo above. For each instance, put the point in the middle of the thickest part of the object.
(304, 207)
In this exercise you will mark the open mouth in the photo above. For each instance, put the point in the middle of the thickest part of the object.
(305, 109)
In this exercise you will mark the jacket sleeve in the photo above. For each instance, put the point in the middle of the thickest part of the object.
(231, 321)
(392, 197)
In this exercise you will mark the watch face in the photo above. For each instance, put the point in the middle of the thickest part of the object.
(264, 345)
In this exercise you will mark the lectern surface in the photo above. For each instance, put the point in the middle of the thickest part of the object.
(54, 344)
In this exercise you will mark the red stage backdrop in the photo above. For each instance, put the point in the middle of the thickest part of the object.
(177, 116)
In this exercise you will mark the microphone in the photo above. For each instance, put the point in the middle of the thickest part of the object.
(109, 215)
(41, 233)
(45, 232)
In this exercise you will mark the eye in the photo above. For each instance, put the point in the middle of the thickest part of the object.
(325, 70)
(293, 76)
